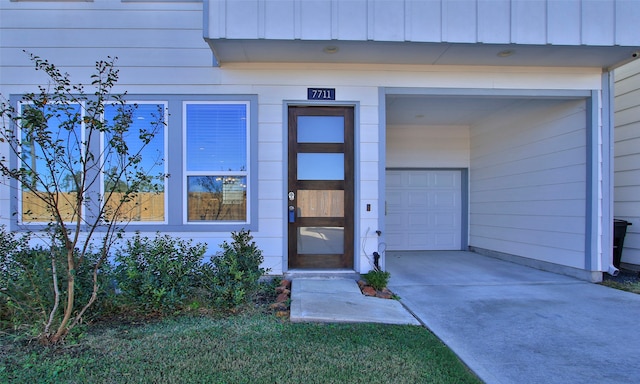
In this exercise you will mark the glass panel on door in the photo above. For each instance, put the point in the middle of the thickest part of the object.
(320, 166)
(320, 240)
(320, 129)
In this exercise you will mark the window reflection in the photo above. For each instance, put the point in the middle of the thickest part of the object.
(320, 129)
(320, 240)
(44, 175)
(148, 203)
(214, 198)
(320, 166)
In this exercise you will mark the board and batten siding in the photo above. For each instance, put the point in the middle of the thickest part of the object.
(626, 204)
(567, 22)
(528, 182)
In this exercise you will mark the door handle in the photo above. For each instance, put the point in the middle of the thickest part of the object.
(292, 214)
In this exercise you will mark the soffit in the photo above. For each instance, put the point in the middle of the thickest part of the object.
(371, 52)
(443, 110)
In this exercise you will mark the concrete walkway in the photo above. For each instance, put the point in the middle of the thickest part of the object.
(340, 300)
(514, 324)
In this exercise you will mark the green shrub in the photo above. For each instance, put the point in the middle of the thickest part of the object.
(26, 282)
(377, 279)
(12, 275)
(158, 274)
(232, 275)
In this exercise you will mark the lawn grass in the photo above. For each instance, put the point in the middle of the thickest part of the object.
(249, 348)
(629, 286)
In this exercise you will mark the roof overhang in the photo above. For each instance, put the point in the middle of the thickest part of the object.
(414, 53)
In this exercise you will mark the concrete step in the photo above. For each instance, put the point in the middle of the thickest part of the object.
(315, 274)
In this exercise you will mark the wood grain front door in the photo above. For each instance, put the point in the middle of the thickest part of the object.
(320, 209)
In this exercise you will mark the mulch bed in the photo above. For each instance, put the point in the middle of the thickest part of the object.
(625, 276)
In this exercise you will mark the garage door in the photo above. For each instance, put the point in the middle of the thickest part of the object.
(423, 210)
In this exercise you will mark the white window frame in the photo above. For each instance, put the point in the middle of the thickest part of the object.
(186, 173)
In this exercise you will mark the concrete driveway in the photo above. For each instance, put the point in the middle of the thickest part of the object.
(514, 324)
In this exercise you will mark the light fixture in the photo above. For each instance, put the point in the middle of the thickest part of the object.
(330, 49)
(506, 53)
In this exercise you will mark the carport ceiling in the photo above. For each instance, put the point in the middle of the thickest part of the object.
(443, 110)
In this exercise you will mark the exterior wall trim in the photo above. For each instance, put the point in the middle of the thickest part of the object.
(382, 156)
(591, 208)
(608, 184)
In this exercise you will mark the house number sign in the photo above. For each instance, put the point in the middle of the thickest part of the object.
(321, 93)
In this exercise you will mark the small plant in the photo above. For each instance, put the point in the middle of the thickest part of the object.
(377, 279)
(232, 276)
(266, 293)
(158, 274)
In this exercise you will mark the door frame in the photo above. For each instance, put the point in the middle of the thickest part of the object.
(356, 175)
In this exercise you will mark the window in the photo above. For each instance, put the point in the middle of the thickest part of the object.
(64, 140)
(162, 1)
(145, 163)
(216, 161)
(53, 1)
(204, 147)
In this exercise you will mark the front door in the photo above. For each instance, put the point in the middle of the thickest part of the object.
(320, 208)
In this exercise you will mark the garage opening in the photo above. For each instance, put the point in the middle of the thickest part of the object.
(527, 161)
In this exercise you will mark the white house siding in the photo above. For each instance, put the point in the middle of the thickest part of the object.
(527, 182)
(414, 146)
(161, 51)
(627, 158)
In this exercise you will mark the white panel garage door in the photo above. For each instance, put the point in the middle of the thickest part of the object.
(423, 210)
